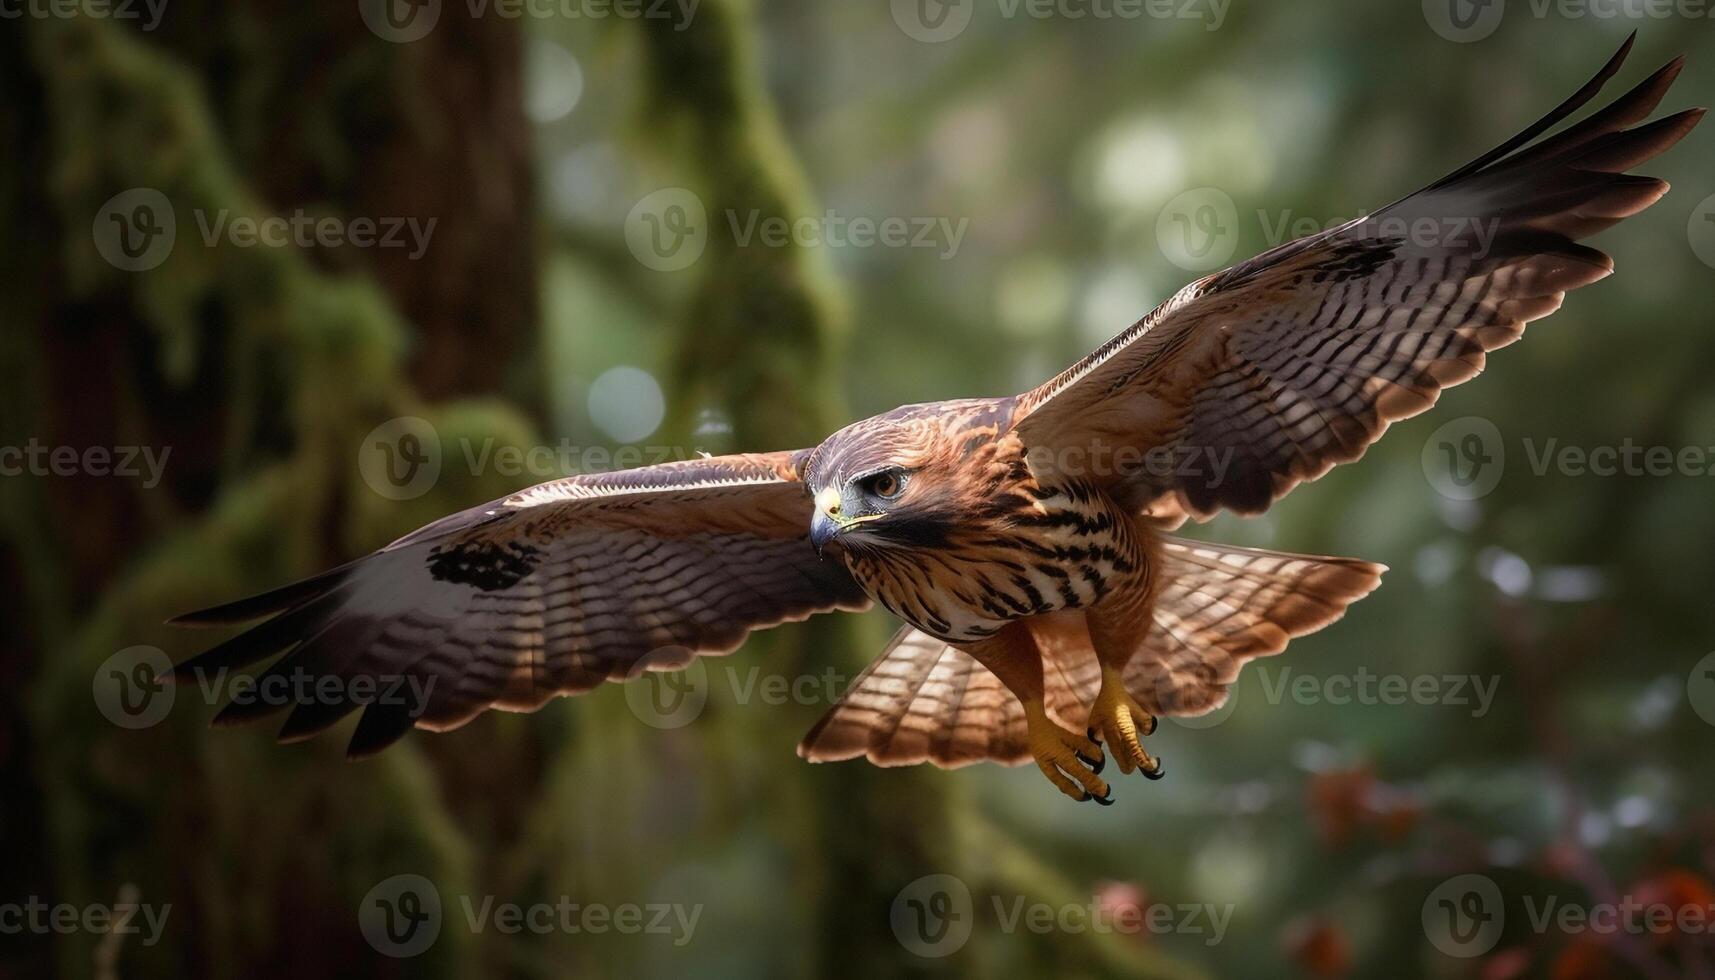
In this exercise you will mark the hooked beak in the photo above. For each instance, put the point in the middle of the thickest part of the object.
(825, 522)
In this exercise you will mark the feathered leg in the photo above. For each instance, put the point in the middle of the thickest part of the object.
(1119, 628)
(1069, 760)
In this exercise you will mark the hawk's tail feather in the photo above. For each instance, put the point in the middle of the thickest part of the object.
(923, 700)
(1221, 605)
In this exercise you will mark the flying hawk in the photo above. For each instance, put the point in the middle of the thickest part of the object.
(1021, 539)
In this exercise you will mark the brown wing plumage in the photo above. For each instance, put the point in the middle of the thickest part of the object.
(1219, 606)
(1265, 375)
(550, 591)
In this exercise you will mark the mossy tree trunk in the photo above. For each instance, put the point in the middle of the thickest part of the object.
(258, 370)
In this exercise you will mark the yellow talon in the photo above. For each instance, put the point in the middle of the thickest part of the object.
(1118, 721)
(1069, 760)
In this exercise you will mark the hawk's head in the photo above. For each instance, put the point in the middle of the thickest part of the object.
(896, 480)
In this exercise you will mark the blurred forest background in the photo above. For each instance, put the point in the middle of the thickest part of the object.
(540, 313)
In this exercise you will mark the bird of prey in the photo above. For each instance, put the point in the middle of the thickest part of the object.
(1022, 540)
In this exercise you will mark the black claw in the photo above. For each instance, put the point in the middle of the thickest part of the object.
(1155, 773)
(1095, 765)
(1103, 800)
(1090, 733)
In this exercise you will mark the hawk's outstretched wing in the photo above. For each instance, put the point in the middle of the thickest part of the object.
(550, 591)
(1257, 378)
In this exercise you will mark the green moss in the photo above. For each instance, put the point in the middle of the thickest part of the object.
(159, 806)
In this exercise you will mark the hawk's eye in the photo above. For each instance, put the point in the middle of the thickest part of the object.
(885, 484)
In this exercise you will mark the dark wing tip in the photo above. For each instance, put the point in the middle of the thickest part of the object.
(252, 608)
(380, 726)
(1566, 108)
